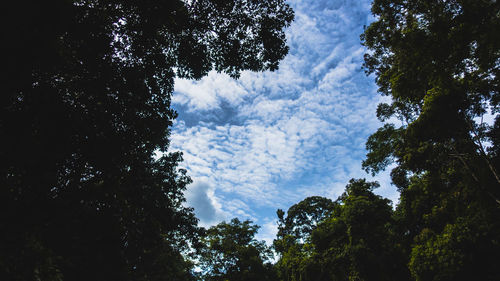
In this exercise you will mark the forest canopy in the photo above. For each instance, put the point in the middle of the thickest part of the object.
(86, 110)
(439, 61)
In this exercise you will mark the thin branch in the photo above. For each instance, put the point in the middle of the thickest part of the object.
(476, 179)
(483, 152)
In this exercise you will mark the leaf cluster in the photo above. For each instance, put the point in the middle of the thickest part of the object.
(231, 252)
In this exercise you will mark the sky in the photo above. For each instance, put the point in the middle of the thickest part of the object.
(268, 140)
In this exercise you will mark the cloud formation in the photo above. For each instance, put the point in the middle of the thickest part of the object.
(268, 140)
(200, 196)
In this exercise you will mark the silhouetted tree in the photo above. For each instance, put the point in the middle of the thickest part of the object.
(353, 239)
(439, 62)
(303, 217)
(293, 240)
(83, 112)
(357, 242)
(231, 252)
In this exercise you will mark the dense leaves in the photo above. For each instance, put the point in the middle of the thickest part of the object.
(85, 109)
(89, 191)
(354, 241)
(292, 241)
(439, 61)
(232, 253)
(303, 217)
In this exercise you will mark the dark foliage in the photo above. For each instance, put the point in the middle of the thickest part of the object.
(232, 253)
(84, 110)
(354, 240)
(439, 61)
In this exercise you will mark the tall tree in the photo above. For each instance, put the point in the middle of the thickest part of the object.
(354, 240)
(357, 242)
(293, 240)
(439, 61)
(303, 217)
(231, 252)
(84, 109)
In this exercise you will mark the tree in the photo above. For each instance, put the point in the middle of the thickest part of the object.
(303, 217)
(357, 242)
(439, 62)
(84, 111)
(354, 240)
(292, 241)
(231, 252)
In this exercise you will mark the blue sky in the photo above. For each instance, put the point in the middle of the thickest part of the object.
(268, 140)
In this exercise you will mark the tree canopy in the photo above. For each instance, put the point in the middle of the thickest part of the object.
(353, 241)
(84, 111)
(90, 191)
(232, 253)
(439, 62)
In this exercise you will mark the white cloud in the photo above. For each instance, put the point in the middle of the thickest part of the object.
(268, 231)
(208, 92)
(297, 132)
